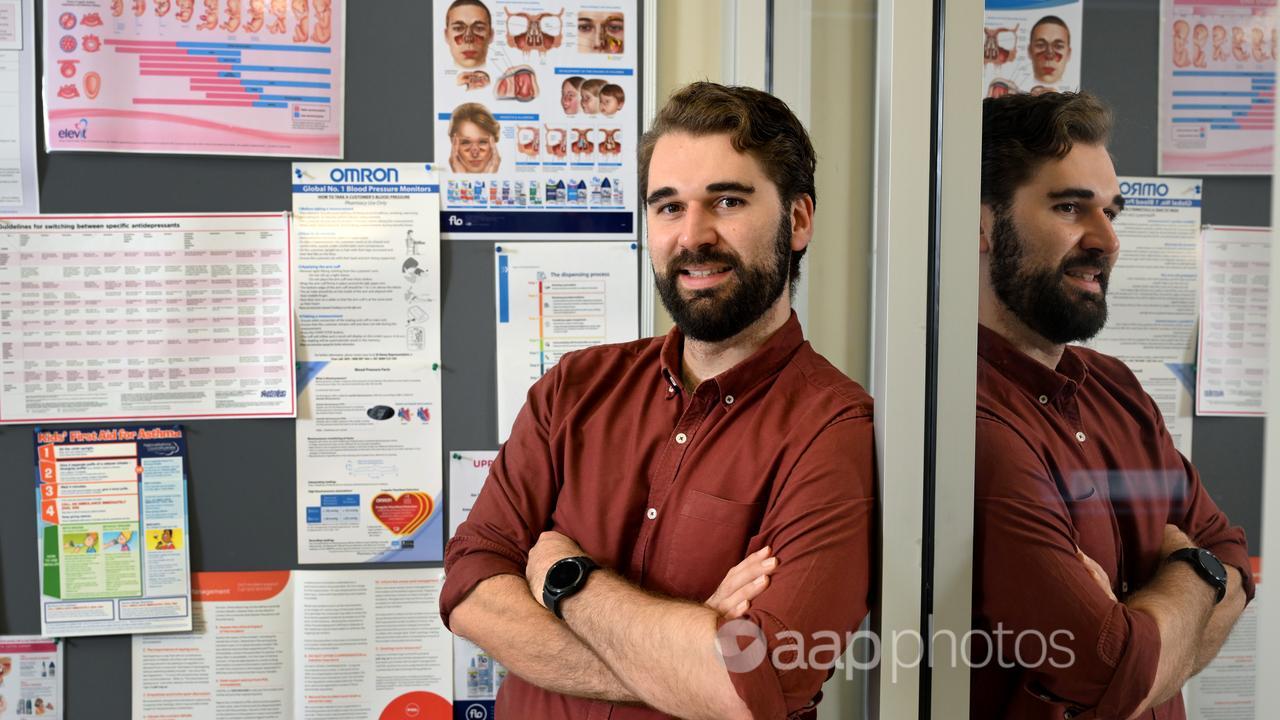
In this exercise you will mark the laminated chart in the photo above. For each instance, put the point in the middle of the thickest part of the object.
(220, 77)
(112, 530)
(108, 317)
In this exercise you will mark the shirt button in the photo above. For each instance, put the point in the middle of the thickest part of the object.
(652, 513)
(728, 399)
(681, 438)
(1044, 399)
(1080, 436)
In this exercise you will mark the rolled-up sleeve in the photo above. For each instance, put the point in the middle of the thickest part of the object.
(513, 507)
(1099, 654)
(820, 529)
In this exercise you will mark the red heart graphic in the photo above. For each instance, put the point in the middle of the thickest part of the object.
(402, 515)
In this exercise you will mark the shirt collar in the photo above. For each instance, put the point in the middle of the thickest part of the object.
(1029, 373)
(767, 360)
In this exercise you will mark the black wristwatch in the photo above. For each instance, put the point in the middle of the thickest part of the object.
(1207, 566)
(566, 577)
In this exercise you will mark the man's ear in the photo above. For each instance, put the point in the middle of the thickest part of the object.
(986, 221)
(801, 222)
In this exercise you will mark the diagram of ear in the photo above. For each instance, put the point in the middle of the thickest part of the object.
(581, 145)
(474, 79)
(518, 83)
(528, 32)
(527, 140)
(611, 145)
(557, 142)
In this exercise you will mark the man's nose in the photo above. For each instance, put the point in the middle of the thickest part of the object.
(1100, 235)
(697, 229)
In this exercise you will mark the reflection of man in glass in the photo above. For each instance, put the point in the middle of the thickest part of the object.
(600, 32)
(1049, 48)
(473, 135)
(1095, 541)
(468, 28)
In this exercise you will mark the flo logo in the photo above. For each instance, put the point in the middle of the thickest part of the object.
(79, 132)
(742, 645)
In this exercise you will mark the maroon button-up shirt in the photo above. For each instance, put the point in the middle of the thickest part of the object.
(671, 487)
(1075, 457)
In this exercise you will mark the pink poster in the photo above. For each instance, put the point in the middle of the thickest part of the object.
(215, 77)
(1217, 86)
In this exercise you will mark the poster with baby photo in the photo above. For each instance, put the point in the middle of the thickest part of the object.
(1217, 86)
(1031, 46)
(536, 115)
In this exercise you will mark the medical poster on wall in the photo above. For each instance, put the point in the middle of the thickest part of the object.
(1234, 301)
(19, 183)
(306, 644)
(31, 672)
(240, 77)
(1226, 688)
(112, 530)
(554, 298)
(1032, 46)
(536, 117)
(1217, 86)
(1153, 295)
(369, 437)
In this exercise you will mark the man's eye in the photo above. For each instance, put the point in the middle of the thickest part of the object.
(668, 209)
(1111, 215)
(1067, 208)
(732, 202)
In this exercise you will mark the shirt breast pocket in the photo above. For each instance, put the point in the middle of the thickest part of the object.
(709, 535)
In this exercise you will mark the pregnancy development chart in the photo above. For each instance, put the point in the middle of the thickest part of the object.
(215, 77)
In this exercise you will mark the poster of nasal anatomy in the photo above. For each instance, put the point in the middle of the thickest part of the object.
(1032, 46)
(537, 117)
(214, 77)
(1217, 86)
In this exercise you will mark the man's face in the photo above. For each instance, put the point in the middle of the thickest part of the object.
(719, 239)
(1050, 50)
(608, 104)
(1051, 252)
(475, 146)
(467, 31)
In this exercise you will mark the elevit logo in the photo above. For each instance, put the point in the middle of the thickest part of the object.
(79, 132)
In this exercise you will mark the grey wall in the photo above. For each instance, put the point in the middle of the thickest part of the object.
(241, 480)
(1121, 64)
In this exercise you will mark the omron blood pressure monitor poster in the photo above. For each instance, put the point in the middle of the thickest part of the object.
(112, 530)
(1032, 46)
(536, 118)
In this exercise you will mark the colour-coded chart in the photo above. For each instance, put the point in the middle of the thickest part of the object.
(1217, 86)
(247, 78)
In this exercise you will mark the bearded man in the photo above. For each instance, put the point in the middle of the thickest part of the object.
(675, 521)
(1104, 573)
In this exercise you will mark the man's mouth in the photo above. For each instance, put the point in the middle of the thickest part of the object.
(703, 276)
(1086, 278)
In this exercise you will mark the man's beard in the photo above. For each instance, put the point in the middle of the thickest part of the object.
(1038, 296)
(708, 316)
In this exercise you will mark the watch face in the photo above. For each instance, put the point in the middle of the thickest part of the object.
(563, 575)
(1213, 565)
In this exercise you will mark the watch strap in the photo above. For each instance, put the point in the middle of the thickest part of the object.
(552, 597)
(1195, 558)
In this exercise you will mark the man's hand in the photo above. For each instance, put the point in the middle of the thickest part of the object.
(1099, 575)
(551, 548)
(742, 584)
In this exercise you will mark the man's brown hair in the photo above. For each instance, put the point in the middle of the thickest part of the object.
(1021, 132)
(756, 122)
